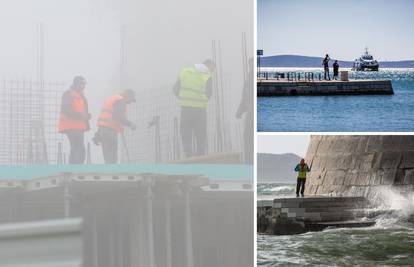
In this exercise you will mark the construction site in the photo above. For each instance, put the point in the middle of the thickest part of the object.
(157, 206)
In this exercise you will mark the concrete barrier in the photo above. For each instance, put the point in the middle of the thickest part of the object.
(317, 88)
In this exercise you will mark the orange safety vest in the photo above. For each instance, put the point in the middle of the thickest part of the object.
(69, 123)
(106, 117)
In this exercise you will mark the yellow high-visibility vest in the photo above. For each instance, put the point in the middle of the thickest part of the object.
(192, 92)
(302, 171)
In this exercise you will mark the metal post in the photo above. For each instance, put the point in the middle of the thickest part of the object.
(140, 237)
(94, 240)
(168, 232)
(66, 194)
(59, 155)
(88, 154)
(189, 235)
(150, 228)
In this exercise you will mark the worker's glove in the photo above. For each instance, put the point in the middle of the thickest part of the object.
(238, 115)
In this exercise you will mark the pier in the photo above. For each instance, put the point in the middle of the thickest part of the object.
(284, 216)
(285, 87)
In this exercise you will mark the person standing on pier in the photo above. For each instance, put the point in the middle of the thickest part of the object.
(74, 119)
(302, 168)
(193, 90)
(325, 64)
(335, 70)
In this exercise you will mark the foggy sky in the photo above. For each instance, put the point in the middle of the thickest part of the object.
(281, 144)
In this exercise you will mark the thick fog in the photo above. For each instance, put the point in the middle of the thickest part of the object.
(134, 213)
(141, 45)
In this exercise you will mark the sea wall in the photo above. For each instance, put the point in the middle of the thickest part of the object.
(359, 165)
(273, 87)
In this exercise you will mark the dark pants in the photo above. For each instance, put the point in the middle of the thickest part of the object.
(108, 138)
(335, 75)
(300, 183)
(248, 136)
(326, 73)
(193, 127)
(77, 146)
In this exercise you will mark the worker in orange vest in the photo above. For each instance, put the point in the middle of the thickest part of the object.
(74, 119)
(112, 121)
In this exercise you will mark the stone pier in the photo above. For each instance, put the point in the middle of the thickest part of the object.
(283, 87)
(299, 215)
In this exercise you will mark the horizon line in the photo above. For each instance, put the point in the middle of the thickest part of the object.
(386, 60)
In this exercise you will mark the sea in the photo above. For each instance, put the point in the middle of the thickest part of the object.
(381, 113)
(388, 243)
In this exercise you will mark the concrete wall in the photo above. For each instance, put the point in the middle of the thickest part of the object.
(359, 165)
(361, 87)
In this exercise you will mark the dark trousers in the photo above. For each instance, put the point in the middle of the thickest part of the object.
(326, 73)
(193, 127)
(77, 146)
(109, 140)
(300, 186)
(248, 136)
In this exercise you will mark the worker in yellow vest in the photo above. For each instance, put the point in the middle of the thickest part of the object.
(111, 122)
(302, 168)
(193, 90)
(74, 119)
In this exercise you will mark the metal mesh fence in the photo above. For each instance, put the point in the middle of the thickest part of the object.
(29, 114)
(157, 115)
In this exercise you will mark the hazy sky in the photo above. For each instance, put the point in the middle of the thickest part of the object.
(279, 144)
(340, 28)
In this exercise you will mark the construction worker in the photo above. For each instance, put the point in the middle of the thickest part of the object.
(112, 121)
(74, 119)
(302, 168)
(193, 90)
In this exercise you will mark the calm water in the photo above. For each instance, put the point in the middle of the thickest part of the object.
(343, 113)
(389, 243)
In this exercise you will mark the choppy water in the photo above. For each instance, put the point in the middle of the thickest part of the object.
(276, 189)
(343, 113)
(389, 243)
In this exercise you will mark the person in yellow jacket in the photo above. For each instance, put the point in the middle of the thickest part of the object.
(193, 90)
(302, 168)
(74, 119)
(112, 121)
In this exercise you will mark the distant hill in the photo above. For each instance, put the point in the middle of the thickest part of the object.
(316, 62)
(276, 168)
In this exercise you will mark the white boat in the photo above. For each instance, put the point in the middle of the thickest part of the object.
(366, 63)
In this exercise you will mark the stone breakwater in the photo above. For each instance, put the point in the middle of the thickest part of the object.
(273, 87)
(360, 165)
(298, 215)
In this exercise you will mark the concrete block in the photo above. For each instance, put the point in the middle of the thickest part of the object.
(409, 177)
(407, 159)
(264, 203)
